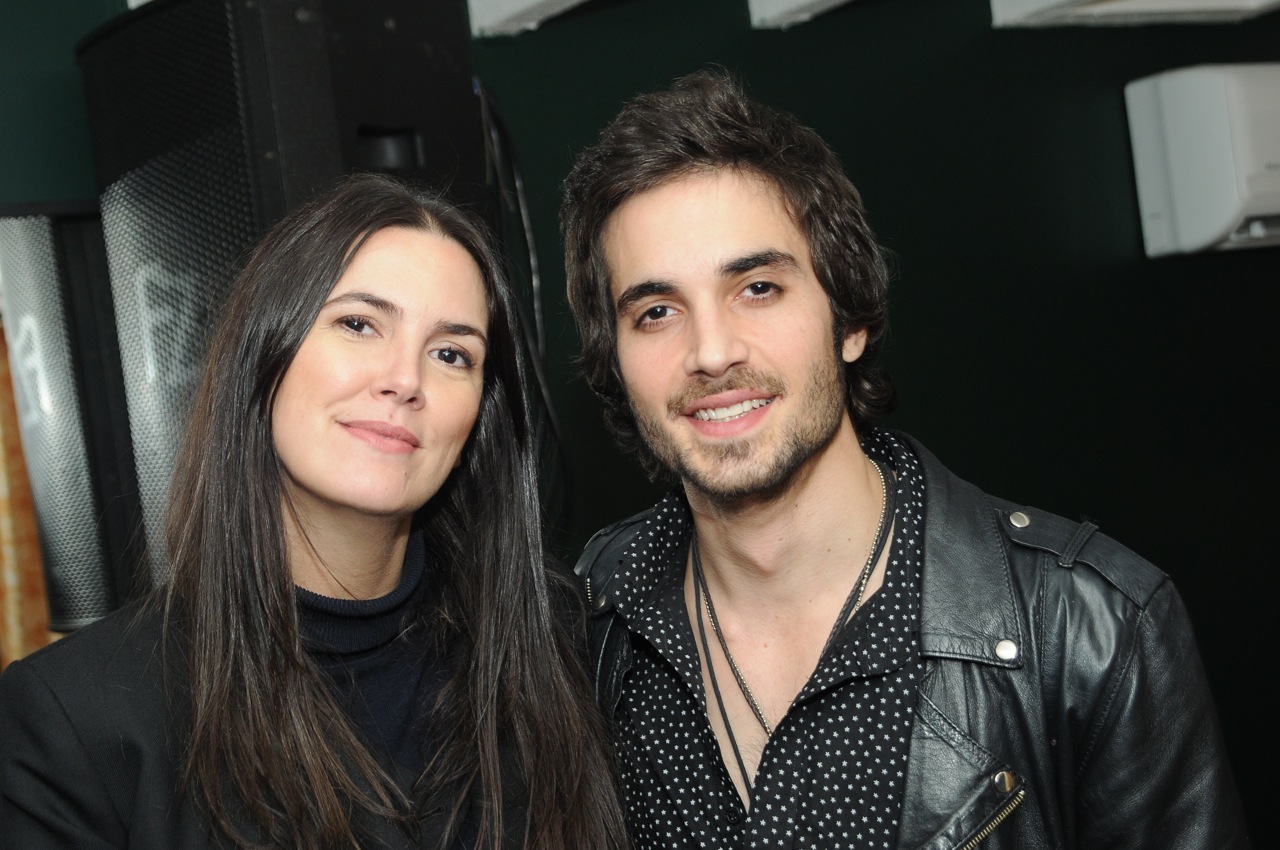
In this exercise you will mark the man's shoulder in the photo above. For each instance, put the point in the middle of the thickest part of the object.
(1074, 544)
(606, 548)
(603, 552)
(960, 515)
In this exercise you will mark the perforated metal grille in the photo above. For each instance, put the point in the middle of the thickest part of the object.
(176, 216)
(51, 424)
(163, 77)
(173, 230)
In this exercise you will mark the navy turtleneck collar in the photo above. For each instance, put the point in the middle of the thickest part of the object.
(347, 626)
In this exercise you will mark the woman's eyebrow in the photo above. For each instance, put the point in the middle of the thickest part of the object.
(462, 329)
(376, 302)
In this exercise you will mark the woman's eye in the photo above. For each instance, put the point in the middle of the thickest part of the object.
(454, 357)
(356, 325)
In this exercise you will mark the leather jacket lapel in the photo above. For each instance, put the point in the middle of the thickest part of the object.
(966, 599)
(955, 788)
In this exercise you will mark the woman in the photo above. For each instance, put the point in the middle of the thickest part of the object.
(360, 644)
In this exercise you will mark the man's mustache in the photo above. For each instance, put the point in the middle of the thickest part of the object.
(738, 378)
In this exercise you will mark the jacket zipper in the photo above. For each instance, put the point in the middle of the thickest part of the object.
(590, 600)
(996, 821)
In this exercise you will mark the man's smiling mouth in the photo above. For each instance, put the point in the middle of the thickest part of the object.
(733, 411)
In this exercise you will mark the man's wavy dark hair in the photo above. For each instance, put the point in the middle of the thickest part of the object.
(703, 123)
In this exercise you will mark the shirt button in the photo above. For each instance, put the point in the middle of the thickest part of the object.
(733, 813)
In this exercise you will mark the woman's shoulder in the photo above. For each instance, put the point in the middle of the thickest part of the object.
(110, 665)
(112, 640)
(90, 740)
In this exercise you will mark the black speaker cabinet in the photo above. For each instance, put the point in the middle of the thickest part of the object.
(212, 118)
(69, 394)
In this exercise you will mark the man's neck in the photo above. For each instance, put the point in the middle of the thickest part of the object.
(778, 572)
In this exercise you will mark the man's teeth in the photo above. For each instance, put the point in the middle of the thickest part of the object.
(733, 411)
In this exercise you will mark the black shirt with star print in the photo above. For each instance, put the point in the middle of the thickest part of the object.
(833, 772)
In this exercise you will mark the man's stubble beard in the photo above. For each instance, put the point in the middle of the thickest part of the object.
(722, 472)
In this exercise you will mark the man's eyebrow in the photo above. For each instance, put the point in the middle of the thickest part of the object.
(771, 258)
(639, 291)
(375, 302)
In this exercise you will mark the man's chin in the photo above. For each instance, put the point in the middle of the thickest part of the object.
(732, 482)
(722, 472)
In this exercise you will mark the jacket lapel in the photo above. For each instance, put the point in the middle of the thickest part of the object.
(956, 789)
(966, 599)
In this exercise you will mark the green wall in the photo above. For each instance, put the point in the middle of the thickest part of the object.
(45, 152)
(1036, 349)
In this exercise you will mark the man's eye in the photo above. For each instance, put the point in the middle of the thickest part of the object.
(654, 314)
(761, 288)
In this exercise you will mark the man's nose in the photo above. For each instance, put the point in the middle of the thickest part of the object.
(716, 343)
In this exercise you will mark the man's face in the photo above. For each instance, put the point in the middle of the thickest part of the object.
(724, 333)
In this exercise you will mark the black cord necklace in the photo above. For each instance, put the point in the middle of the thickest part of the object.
(702, 596)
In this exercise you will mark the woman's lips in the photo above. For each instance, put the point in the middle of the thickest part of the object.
(383, 435)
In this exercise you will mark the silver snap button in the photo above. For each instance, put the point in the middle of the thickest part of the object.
(1006, 650)
(1019, 520)
(602, 601)
(1004, 781)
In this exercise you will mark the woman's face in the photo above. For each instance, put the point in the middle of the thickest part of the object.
(373, 413)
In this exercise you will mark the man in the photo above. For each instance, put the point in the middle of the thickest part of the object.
(821, 638)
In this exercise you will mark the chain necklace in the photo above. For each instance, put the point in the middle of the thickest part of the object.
(702, 596)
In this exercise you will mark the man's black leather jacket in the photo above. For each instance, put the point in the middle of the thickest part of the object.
(1063, 703)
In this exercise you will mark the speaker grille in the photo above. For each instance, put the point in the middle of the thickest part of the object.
(177, 212)
(191, 197)
(166, 76)
(51, 423)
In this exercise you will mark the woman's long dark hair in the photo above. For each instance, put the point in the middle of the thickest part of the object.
(267, 742)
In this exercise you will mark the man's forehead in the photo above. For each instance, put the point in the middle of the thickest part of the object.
(709, 223)
(760, 184)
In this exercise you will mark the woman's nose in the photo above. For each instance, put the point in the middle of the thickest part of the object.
(402, 378)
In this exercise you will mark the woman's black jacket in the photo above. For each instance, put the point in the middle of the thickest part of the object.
(90, 749)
